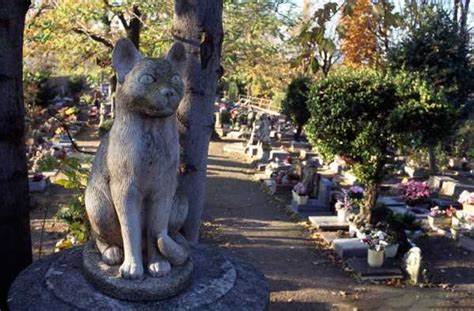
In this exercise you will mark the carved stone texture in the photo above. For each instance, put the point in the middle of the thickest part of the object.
(131, 198)
(219, 282)
(107, 279)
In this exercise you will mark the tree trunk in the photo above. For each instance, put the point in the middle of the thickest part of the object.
(432, 160)
(134, 26)
(15, 251)
(198, 25)
(371, 194)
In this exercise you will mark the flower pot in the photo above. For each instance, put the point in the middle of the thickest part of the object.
(341, 215)
(439, 222)
(352, 230)
(391, 250)
(300, 199)
(375, 258)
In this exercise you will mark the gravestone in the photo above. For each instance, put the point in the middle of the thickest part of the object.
(351, 247)
(278, 154)
(325, 188)
(415, 172)
(328, 223)
(454, 188)
(389, 270)
(436, 182)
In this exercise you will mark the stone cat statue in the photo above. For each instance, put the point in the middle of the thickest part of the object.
(131, 197)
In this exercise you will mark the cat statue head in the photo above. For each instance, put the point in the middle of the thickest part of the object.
(149, 86)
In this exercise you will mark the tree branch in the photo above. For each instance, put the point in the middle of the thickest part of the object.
(123, 21)
(94, 37)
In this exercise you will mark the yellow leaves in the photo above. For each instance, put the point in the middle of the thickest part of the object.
(360, 43)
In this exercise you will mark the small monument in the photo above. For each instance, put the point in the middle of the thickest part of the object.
(137, 258)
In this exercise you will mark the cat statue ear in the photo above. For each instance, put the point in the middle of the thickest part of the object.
(124, 57)
(177, 54)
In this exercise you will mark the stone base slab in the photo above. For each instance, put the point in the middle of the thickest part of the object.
(219, 282)
(107, 279)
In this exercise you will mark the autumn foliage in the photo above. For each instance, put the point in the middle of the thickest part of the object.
(359, 44)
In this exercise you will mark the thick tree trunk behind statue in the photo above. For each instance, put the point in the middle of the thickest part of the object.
(15, 249)
(198, 25)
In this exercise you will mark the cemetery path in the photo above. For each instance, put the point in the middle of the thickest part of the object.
(246, 222)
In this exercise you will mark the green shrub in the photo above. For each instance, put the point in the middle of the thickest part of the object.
(295, 103)
(74, 212)
(364, 116)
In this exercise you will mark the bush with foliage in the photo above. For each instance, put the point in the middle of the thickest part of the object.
(74, 213)
(435, 48)
(350, 116)
(359, 115)
(295, 103)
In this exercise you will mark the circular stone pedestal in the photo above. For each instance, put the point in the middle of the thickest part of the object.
(218, 282)
(107, 279)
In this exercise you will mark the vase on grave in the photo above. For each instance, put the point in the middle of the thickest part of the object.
(375, 258)
(341, 215)
(352, 229)
(300, 199)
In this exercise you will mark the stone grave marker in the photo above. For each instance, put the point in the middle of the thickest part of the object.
(452, 188)
(325, 188)
(328, 223)
(436, 182)
(389, 270)
(350, 247)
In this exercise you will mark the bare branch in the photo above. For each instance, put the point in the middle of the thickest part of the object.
(94, 37)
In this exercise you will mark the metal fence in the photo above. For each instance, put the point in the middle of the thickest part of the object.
(262, 104)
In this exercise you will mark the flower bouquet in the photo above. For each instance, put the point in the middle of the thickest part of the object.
(342, 209)
(299, 193)
(440, 218)
(414, 192)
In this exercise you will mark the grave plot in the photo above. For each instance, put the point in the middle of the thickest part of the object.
(327, 196)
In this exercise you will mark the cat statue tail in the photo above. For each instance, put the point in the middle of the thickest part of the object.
(174, 246)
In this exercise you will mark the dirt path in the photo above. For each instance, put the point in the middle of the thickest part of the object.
(247, 222)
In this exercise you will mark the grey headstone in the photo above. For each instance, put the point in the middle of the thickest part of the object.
(278, 154)
(435, 182)
(328, 223)
(325, 188)
(450, 188)
(389, 270)
(351, 247)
